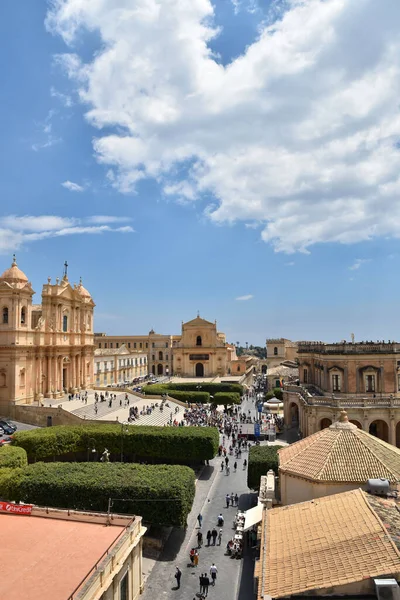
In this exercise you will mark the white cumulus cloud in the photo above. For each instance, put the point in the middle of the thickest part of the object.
(72, 187)
(300, 133)
(18, 230)
(358, 263)
(246, 297)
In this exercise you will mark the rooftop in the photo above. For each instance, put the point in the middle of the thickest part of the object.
(341, 453)
(315, 545)
(72, 547)
(344, 347)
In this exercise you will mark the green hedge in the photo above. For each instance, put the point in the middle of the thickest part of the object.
(9, 482)
(184, 396)
(211, 388)
(161, 494)
(192, 397)
(277, 392)
(226, 398)
(12, 457)
(167, 443)
(261, 460)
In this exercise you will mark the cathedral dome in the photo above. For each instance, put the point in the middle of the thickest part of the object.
(14, 275)
(83, 291)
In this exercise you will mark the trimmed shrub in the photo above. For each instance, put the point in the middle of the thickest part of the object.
(161, 494)
(226, 398)
(193, 397)
(261, 460)
(211, 388)
(12, 457)
(167, 443)
(10, 480)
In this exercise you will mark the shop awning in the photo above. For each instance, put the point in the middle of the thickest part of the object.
(253, 517)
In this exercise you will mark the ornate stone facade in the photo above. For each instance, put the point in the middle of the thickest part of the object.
(200, 350)
(363, 378)
(45, 349)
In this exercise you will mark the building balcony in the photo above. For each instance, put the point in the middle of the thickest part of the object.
(338, 400)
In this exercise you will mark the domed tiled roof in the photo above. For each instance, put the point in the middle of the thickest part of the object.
(341, 453)
(14, 274)
(83, 291)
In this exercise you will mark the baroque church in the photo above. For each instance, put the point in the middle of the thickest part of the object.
(46, 350)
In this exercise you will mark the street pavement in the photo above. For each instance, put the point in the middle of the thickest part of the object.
(235, 577)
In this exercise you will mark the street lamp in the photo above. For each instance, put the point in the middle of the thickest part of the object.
(124, 429)
(91, 451)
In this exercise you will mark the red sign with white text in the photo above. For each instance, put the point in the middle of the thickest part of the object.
(16, 509)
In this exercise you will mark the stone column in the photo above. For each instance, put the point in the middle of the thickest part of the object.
(392, 431)
(72, 371)
(49, 376)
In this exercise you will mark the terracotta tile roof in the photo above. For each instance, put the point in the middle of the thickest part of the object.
(388, 511)
(342, 453)
(326, 542)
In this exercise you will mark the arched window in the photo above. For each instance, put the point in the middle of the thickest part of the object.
(65, 323)
(23, 315)
(160, 355)
(22, 377)
(238, 367)
(275, 351)
(5, 315)
(198, 340)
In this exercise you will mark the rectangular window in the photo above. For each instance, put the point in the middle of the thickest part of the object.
(370, 383)
(153, 357)
(166, 344)
(98, 380)
(129, 344)
(105, 345)
(140, 345)
(112, 364)
(153, 345)
(99, 345)
(166, 357)
(135, 362)
(305, 376)
(111, 345)
(117, 345)
(105, 365)
(336, 383)
(124, 588)
(134, 344)
(147, 345)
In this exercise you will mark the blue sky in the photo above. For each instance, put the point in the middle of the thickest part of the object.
(236, 158)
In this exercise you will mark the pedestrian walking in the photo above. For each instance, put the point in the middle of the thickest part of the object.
(178, 575)
(236, 499)
(228, 499)
(206, 584)
(191, 555)
(208, 536)
(244, 463)
(202, 586)
(214, 534)
(227, 460)
(222, 466)
(196, 558)
(232, 498)
(95, 409)
(199, 539)
(213, 573)
(219, 537)
(235, 466)
(200, 519)
(228, 469)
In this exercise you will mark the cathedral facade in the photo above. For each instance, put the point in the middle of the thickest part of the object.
(47, 349)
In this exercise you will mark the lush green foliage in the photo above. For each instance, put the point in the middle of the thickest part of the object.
(226, 398)
(261, 460)
(161, 494)
(185, 396)
(193, 387)
(9, 482)
(277, 392)
(168, 443)
(12, 457)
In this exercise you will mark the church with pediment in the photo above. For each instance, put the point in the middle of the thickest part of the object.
(47, 349)
(201, 350)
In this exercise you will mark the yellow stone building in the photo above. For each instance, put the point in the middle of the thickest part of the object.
(45, 349)
(200, 350)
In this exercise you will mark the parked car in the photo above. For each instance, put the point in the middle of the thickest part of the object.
(7, 426)
(4, 423)
(5, 440)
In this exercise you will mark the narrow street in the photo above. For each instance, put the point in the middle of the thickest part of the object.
(235, 577)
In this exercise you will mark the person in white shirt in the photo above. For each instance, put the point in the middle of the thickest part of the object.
(213, 573)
